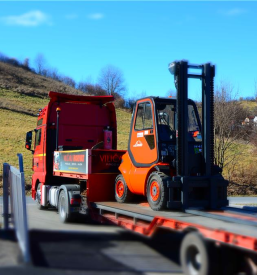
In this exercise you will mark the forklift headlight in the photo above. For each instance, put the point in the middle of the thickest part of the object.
(172, 67)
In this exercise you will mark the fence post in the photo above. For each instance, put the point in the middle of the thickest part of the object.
(6, 169)
(20, 162)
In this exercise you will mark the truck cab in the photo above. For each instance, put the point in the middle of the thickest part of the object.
(68, 122)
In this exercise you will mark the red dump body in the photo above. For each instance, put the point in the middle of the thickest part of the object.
(82, 122)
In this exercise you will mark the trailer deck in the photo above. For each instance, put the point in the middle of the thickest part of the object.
(229, 226)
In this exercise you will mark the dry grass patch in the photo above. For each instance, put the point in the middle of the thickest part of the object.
(26, 82)
(123, 121)
(21, 103)
(13, 128)
(242, 175)
(249, 105)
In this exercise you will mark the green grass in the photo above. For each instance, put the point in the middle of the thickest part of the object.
(13, 128)
(21, 102)
(123, 121)
(249, 105)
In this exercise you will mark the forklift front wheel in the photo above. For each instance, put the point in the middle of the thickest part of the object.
(122, 193)
(157, 191)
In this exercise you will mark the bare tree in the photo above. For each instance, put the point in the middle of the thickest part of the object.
(82, 86)
(53, 73)
(95, 89)
(131, 103)
(68, 81)
(112, 81)
(26, 63)
(40, 63)
(92, 89)
(228, 129)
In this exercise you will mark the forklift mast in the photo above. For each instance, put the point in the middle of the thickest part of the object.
(208, 190)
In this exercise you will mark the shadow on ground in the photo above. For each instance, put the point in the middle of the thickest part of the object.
(112, 252)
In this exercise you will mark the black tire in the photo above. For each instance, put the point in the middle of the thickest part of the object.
(122, 193)
(62, 208)
(38, 198)
(157, 191)
(197, 257)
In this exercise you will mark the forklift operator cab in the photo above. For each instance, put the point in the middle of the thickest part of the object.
(166, 117)
(152, 143)
(153, 137)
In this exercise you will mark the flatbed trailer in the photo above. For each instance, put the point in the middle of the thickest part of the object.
(228, 225)
(241, 232)
(226, 239)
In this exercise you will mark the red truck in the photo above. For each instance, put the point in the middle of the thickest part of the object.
(78, 169)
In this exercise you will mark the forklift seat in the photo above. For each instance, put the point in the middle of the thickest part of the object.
(165, 132)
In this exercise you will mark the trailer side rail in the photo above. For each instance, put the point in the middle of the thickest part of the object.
(147, 225)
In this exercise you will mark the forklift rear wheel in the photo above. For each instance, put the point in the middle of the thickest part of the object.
(122, 193)
(38, 198)
(157, 191)
(195, 256)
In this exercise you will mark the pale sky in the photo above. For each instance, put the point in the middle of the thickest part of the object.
(140, 38)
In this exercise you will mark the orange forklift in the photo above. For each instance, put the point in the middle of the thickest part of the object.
(170, 157)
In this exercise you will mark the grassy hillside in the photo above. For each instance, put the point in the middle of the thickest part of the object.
(251, 106)
(19, 80)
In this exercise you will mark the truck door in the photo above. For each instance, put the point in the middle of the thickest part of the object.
(142, 144)
(39, 153)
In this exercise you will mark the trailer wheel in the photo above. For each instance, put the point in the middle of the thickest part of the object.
(196, 256)
(157, 191)
(38, 197)
(62, 208)
(122, 193)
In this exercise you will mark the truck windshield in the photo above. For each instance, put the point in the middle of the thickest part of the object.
(166, 123)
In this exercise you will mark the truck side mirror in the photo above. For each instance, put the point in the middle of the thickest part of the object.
(28, 140)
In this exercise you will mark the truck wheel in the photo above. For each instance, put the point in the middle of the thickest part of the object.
(196, 256)
(62, 208)
(38, 198)
(157, 191)
(122, 193)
